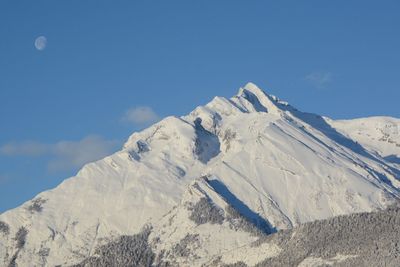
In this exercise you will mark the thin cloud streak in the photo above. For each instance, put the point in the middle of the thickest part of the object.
(64, 155)
(319, 79)
(142, 115)
(25, 148)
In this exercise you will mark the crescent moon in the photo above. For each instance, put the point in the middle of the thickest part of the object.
(40, 43)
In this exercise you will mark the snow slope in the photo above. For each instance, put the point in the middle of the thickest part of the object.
(380, 135)
(275, 166)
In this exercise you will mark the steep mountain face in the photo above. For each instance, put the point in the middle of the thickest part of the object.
(188, 189)
(380, 135)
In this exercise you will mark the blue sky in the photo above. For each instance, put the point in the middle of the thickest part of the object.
(112, 67)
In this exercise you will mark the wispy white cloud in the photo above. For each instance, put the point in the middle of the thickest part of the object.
(72, 154)
(319, 79)
(64, 155)
(25, 148)
(142, 115)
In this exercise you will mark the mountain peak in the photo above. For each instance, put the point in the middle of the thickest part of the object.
(260, 100)
(253, 88)
(264, 164)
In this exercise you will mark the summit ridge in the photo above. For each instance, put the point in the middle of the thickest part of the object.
(200, 185)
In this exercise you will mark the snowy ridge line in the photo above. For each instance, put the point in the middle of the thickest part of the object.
(269, 166)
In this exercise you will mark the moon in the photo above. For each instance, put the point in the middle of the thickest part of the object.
(40, 43)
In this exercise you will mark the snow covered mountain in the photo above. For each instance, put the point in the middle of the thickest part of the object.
(380, 135)
(190, 188)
